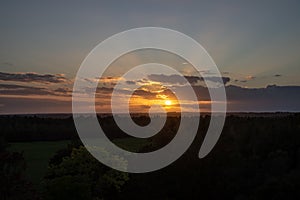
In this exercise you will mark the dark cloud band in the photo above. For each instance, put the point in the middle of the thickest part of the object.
(33, 77)
(176, 79)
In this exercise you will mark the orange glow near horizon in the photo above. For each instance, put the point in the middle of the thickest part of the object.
(147, 96)
(168, 102)
(142, 102)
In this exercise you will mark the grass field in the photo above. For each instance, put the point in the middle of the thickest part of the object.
(37, 155)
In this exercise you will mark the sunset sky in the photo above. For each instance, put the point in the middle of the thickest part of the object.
(255, 45)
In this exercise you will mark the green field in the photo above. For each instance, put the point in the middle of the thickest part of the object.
(37, 155)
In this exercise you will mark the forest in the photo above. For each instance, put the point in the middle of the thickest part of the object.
(256, 157)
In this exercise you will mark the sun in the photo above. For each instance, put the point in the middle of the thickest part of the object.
(168, 102)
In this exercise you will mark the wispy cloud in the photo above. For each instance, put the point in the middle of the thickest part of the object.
(250, 77)
(11, 89)
(177, 79)
(153, 87)
(33, 77)
(7, 64)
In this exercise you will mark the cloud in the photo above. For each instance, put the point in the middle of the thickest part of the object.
(8, 86)
(8, 64)
(145, 94)
(22, 90)
(177, 79)
(33, 77)
(63, 90)
(10, 89)
(271, 98)
(245, 79)
(172, 79)
(12, 105)
(216, 79)
(130, 82)
(250, 77)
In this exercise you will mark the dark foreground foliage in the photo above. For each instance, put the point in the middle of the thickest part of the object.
(255, 158)
(13, 182)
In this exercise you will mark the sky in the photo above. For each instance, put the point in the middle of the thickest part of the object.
(254, 44)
